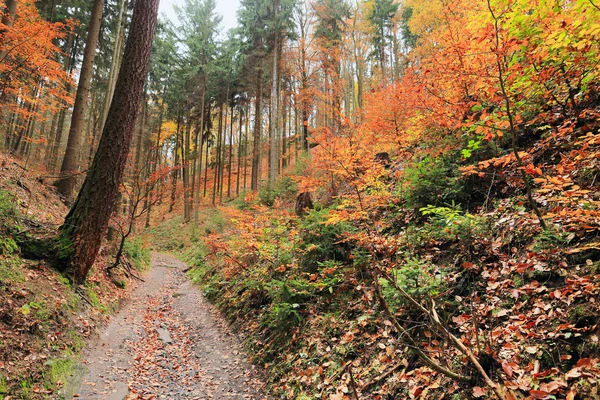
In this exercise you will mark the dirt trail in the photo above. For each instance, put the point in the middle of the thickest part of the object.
(168, 343)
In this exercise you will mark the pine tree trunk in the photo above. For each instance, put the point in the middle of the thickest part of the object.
(201, 147)
(218, 157)
(154, 166)
(140, 136)
(187, 206)
(87, 221)
(284, 149)
(257, 133)
(246, 147)
(114, 65)
(222, 157)
(175, 172)
(207, 156)
(66, 185)
(273, 150)
(53, 147)
(239, 155)
(230, 155)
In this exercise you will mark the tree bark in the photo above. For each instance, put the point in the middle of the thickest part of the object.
(257, 133)
(70, 50)
(239, 154)
(274, 136)
(66, 184)
(200, 148)
(284, 149)
(114, 65)
(246, 146)
(175, 172)
(218, 158)
(187, 199)
(87, 221)
(206, 156)
(230, 154)
(154, 167)
(10, 12)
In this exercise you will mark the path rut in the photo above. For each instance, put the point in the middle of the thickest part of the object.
(168, 343)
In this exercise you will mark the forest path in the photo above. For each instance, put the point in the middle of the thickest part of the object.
(168, 343)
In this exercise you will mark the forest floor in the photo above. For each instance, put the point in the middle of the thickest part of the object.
(167, 342)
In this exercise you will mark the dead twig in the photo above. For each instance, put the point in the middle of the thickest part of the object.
(446, 332)
(383, 376)
(353, 382)
(460, 345)
(415, 348)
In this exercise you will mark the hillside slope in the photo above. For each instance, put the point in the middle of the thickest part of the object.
(44, 320)
(437, 301)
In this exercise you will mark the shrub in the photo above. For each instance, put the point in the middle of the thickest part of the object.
(321, 242)
(418, 278)
(215, 223)
(282, 317)
(433, 181)
(551, 238)
(284, 189)
(451, 224)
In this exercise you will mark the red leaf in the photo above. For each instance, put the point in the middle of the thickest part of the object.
(507, 369)
(478, 392)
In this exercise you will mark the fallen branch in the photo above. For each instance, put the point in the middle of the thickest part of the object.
(433, 315)
(383, 376)
(415, 346)
(340, 370)
(460, 345)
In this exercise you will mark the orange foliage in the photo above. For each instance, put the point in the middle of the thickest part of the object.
(32, 81)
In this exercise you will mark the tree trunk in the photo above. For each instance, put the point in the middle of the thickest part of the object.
(199, 166)
(154, 166)
(230, 155)
(87, 221)
(52, 153)
(246, 147)
(10, 12)
(218, 157)
(273, 149)
(206, 156)
(175, 172)
(239, 155)
(257, 133)
(284, 150)
(66, 184)
(139, 140)
(187, 205)
(114, 65)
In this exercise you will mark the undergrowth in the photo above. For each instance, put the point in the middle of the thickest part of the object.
(317, 299)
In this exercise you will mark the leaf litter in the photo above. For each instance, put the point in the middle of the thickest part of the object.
(169, 343)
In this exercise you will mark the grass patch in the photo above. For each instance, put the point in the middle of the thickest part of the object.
(58, 372)
(138, 254)
(95, 301)
(10, 270)
(3, 388)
